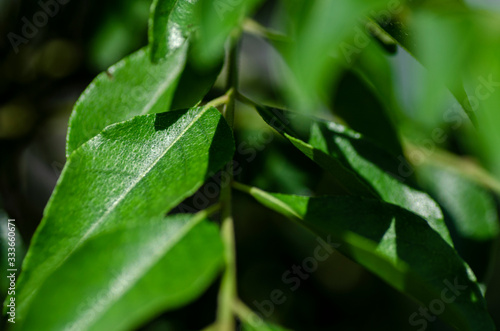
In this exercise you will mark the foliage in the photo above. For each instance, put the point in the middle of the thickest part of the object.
(121, 240)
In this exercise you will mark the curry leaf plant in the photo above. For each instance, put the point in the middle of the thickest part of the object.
(125, 242)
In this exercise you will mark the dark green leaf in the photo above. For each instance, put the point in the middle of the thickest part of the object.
(142, 168)
(354, 160)
(194, 85)
(133, 86)
(376, 70)
(121, 278)
(471, 211)
(471, 207)
(364, 112)
(397, 245)
(170, 25)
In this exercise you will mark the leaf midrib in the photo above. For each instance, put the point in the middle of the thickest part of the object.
(92, 228)
(136, 277)
(165, 83)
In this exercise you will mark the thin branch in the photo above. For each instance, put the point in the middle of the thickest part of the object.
(227, 293)
(222, 100)
(247, 315)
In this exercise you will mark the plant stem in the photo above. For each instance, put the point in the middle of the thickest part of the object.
(246, 314)
(222, 100)
(208, 212)
(227, 293)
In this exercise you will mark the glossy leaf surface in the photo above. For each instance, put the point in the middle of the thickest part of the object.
(129, 275)
(143, 168)
(353, 159)
(134, 86)
(170, 25)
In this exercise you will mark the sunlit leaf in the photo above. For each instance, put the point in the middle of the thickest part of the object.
(134, 86)
(356, 162)
(121, 278)
(171, 23)
(143, 168)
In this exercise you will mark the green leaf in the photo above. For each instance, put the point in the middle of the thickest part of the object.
(171, 23)
(142, 168)
(439, 40)
(472, 208)
(193, 85)
(397, 26)
(217, 20)
(129, 275)
(460, 48)
(397, 245)
(374, 67)
(355, 103)
(134, 86)
(206, 23)
(346, 178)
(483, 87)
(353, 159)
(471, 213)
(322, 32)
